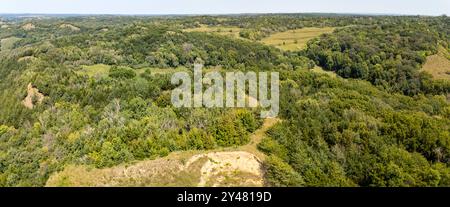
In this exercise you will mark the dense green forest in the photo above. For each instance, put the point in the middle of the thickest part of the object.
(99, 95)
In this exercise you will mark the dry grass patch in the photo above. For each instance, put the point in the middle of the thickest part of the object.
(168, 171)
(438, 65)
(293, 40)
(225, 31)
(28, 26)
(179, 169)
(69, 26)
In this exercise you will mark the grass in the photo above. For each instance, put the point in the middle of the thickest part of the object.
(8, 43)
(69, 26)
(318, 69)
(235, 178)
(99, 70)
(293, 40)
(225, 31)
(257, 137)
(161, 71)
(438, 65)
(162, 172)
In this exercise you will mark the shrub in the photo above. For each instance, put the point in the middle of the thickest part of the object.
(281, 174)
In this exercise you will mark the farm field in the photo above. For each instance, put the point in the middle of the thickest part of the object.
(293, 40)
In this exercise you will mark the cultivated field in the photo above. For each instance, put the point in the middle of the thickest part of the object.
(295, 39)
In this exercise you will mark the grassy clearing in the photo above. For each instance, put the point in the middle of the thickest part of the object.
(438, 65)
(161, 71)
(293, 40)
(69, 26)
(225, 31)
(8, 43)
(234, 178)
(99, 70)
(161, 172)
(318, 69)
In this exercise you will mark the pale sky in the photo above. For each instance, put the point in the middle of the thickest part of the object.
(414, 7)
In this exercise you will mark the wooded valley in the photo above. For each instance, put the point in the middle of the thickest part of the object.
(357, 108)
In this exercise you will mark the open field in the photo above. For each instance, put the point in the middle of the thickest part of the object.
(295, 39)
(101, 70)
(167, 171)
(179, 169)
(225, 31)
(438, 65)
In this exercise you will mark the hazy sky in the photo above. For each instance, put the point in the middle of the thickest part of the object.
(423, 7)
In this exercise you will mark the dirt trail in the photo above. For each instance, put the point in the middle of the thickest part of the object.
(257, 137)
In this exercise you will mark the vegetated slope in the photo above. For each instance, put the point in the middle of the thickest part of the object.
(234, 168)
(334, 132)
(389, 55)
(158, 46)
(229, 167)
(8, 43)
(341, 132)
(122, 116)
(438, 65)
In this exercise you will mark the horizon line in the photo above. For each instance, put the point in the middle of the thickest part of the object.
(220, 14)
